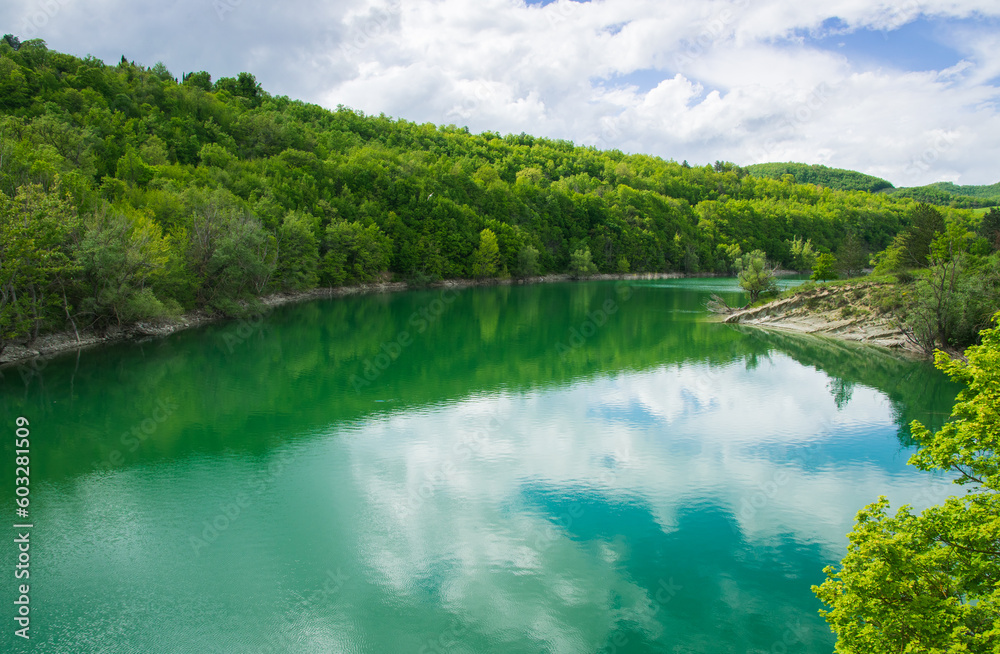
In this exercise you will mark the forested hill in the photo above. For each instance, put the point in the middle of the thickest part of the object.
(835, 178)
(943, 194)
(947, 194)
(126, 194)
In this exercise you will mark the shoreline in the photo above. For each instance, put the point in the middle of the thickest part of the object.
(838, 312)
(54, 344)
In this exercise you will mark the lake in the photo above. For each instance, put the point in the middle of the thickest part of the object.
(588, 467)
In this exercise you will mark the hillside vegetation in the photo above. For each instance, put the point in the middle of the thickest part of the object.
(942, 194)
(127, 194)
(835, 178)
(937, 285)
(947, 194)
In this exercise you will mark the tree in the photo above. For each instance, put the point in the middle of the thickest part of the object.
(160, 70)
(120, 255)
(201, 80)
(243, 262)
(912, 247)
(803, 257)
(825, 268)
(989, 228)
(354, 253)
(527, 262)
(756, 277)
(230, 254)
(731, 256)
(14, 87)
(852, 256)
(486, 259)
(926, 223)
(928, 582)
(692, 262)
(222, 164)
(581, 264)
(949, 294)
(15, 248)
(245, 86)
(36, 229)
(132, 170)
(298, 253)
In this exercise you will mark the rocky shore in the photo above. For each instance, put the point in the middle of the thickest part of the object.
(845, 312)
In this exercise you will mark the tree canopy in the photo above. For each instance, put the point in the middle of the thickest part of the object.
(238, 193)
(837, 178)
(756, 276)
(930, 581)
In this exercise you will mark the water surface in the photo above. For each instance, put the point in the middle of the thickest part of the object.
(587, 467)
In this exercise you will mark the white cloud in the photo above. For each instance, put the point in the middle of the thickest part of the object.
(661, 440)
(734, 74)
(475, 483)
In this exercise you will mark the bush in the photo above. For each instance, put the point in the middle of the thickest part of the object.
(825, 268)
(581, 264)
(756, 277)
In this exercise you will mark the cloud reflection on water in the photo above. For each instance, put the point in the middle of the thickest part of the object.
(562, 501)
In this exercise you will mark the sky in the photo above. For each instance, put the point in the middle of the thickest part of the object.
(907, 90)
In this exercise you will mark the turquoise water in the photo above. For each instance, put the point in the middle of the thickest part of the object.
(590, 467)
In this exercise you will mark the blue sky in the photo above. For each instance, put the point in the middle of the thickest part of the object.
(907, 90)
(919, 45)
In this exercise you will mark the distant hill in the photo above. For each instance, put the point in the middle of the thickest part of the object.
(835, 178)
(952, 195)
(944, 194)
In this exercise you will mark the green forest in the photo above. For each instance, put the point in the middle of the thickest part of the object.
(947, 194)
(944, 194)
(127, 194)
(836, 178)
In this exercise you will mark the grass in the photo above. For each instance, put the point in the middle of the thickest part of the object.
(810, 286)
